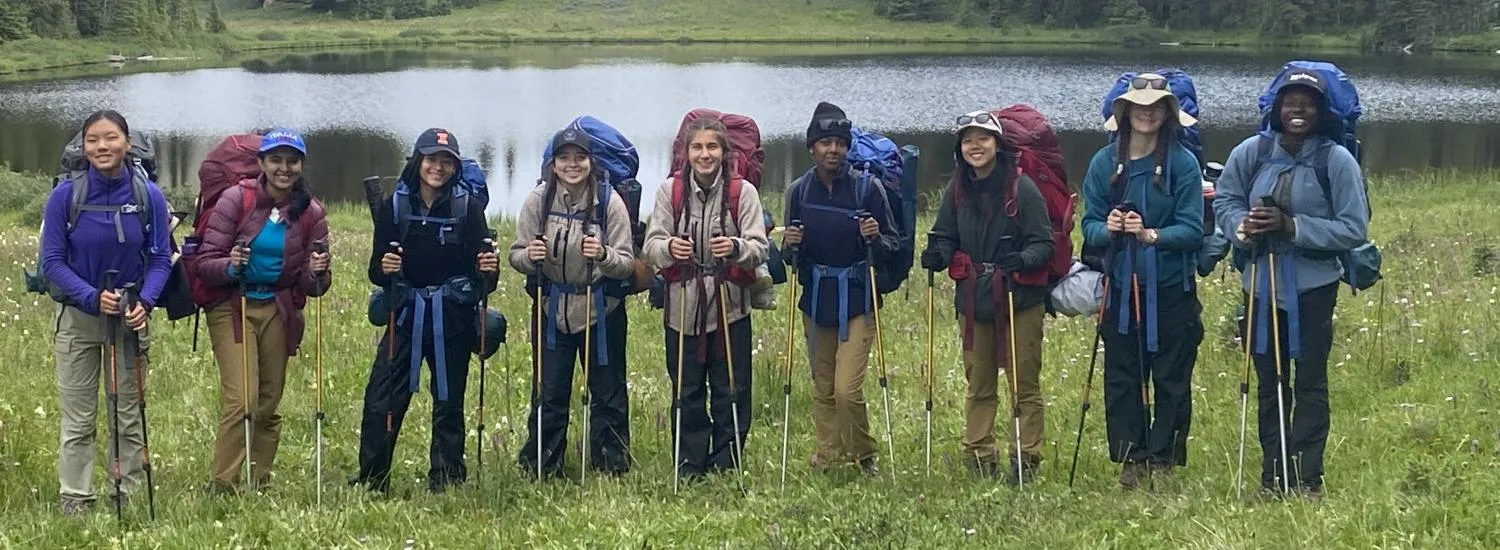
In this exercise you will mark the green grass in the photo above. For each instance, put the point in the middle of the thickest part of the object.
(292, 26)
(1412, 456)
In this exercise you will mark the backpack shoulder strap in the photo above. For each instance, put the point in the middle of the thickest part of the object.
(679, 202)
(732, 202)
(603, 209)
(80, 181)
(141, 195)
(1320, 167)
(1263, 150)
(401, 210)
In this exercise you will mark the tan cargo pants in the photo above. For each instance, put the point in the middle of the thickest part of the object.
(982, 369)
(267, 355)
(838, 371)
(79, 349)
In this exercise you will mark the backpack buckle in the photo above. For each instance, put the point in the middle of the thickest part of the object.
(131, 208)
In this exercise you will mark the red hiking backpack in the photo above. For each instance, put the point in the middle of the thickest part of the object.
(746, 163)
(748, 157)
(1040, 158)
(232, 161)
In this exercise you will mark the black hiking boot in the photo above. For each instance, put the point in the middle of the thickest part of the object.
(1131, 475)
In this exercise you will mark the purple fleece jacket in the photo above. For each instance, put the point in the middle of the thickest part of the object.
(76, 261)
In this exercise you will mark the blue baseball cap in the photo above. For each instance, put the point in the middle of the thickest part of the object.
(282, 137)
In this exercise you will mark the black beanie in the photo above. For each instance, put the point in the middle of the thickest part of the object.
(828, 120)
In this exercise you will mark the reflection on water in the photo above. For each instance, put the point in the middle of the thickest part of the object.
(362, 110)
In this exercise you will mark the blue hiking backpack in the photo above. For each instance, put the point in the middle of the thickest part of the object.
(1361, 264)
(872, 154)
(471, 186)
(619, 161)
(1182, 87)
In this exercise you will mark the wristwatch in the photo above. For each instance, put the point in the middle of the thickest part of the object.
(1150, 236)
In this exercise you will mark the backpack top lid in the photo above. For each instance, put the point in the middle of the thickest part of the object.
(1341, 98)
(1026, 129)
(1182, 88)
(748, 158)
(877, 154)
(615, 153)
(74, 159)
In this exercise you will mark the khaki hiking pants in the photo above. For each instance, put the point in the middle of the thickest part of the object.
(982, 401)
(79, 350)
(838, 372)
(268, 359)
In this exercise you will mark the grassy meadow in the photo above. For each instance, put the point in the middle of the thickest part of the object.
(1412, 458)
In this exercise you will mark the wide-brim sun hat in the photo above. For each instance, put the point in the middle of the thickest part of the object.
(1145, 90)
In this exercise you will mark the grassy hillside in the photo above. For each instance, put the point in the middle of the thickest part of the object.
(1412, 458)
(286, 25)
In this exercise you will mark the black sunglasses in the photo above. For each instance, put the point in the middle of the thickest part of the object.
(827, 124)
(1141, 83)
(981, 118)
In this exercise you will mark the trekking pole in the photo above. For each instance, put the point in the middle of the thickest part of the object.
(588, 326)
(536, 357)
(1088, 383)
(885, 389)
(677, 395)
(130, 298)
(487, 245)
(248, 417)
(319, 247)
(112, 349)
(930, 336)
(1276, 348)
(786, 385)
(1239, 474)
(1140, 352)
(392, 303)
(734, 404)
(1015, 384)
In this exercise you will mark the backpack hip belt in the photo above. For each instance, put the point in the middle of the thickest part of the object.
(1125, 298)
(421, 298)
(998, 291)
(842, 274)
(1288, 284)
(556, 291)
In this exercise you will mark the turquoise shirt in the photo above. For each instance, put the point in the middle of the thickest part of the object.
(266, 253)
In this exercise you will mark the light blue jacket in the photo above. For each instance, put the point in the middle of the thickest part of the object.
(1325, 225)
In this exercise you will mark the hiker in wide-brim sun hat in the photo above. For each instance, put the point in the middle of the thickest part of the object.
(1146, 90)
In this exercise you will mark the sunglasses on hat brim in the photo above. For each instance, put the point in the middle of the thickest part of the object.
(833, 124)
(1144, 83)
(981, 118)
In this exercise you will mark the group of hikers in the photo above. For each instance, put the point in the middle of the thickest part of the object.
(1289, 203)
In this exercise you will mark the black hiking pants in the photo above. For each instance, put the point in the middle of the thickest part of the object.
(708, 426)
(1304, 387)
(1159, 437)
(608, 401)
(388, 395)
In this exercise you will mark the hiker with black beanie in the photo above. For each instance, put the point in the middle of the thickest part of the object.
(1317, 209)
(572, 234)
(832, 225)
(433, 280)
(1143, 201)
(992, 229)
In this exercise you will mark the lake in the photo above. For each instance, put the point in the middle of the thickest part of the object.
(363, 109)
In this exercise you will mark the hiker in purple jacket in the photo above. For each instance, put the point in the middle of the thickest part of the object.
(110, 230)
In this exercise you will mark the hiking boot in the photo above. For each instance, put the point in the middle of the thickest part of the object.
(1027, 476)
(867, 467)
(219, 489)
(1131, 475)
(983, 466)
(1314, 493)
(73, 508)
(1163, 471)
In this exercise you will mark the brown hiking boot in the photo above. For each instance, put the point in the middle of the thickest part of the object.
(1131, 475)
(1162, 471)
(983, 466)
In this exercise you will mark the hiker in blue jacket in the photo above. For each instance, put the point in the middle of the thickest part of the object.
(110, 235)
(1306, 227)
(831, 226)
(1143, 200)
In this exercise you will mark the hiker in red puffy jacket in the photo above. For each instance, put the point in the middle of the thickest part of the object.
(1143, 199)
(992, 226)
(258, 251)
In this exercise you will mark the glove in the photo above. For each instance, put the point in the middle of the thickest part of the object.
(932, 259)
(1011, 262)
(1268, 220)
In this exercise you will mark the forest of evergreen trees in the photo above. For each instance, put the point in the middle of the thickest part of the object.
(1384, 23)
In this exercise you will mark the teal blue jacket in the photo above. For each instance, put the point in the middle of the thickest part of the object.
(1175, 211)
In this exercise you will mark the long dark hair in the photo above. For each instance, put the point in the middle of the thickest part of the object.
(1164, 138)
(300, 198)
(964, 185)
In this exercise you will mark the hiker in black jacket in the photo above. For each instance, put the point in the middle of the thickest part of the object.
(837, 224)
(993, 225)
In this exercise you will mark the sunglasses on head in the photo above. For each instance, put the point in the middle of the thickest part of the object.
(1142, 83)
(827, 124)
(981, 118)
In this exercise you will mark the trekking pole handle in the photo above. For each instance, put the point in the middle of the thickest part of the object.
(321, 247)
(244, 246)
